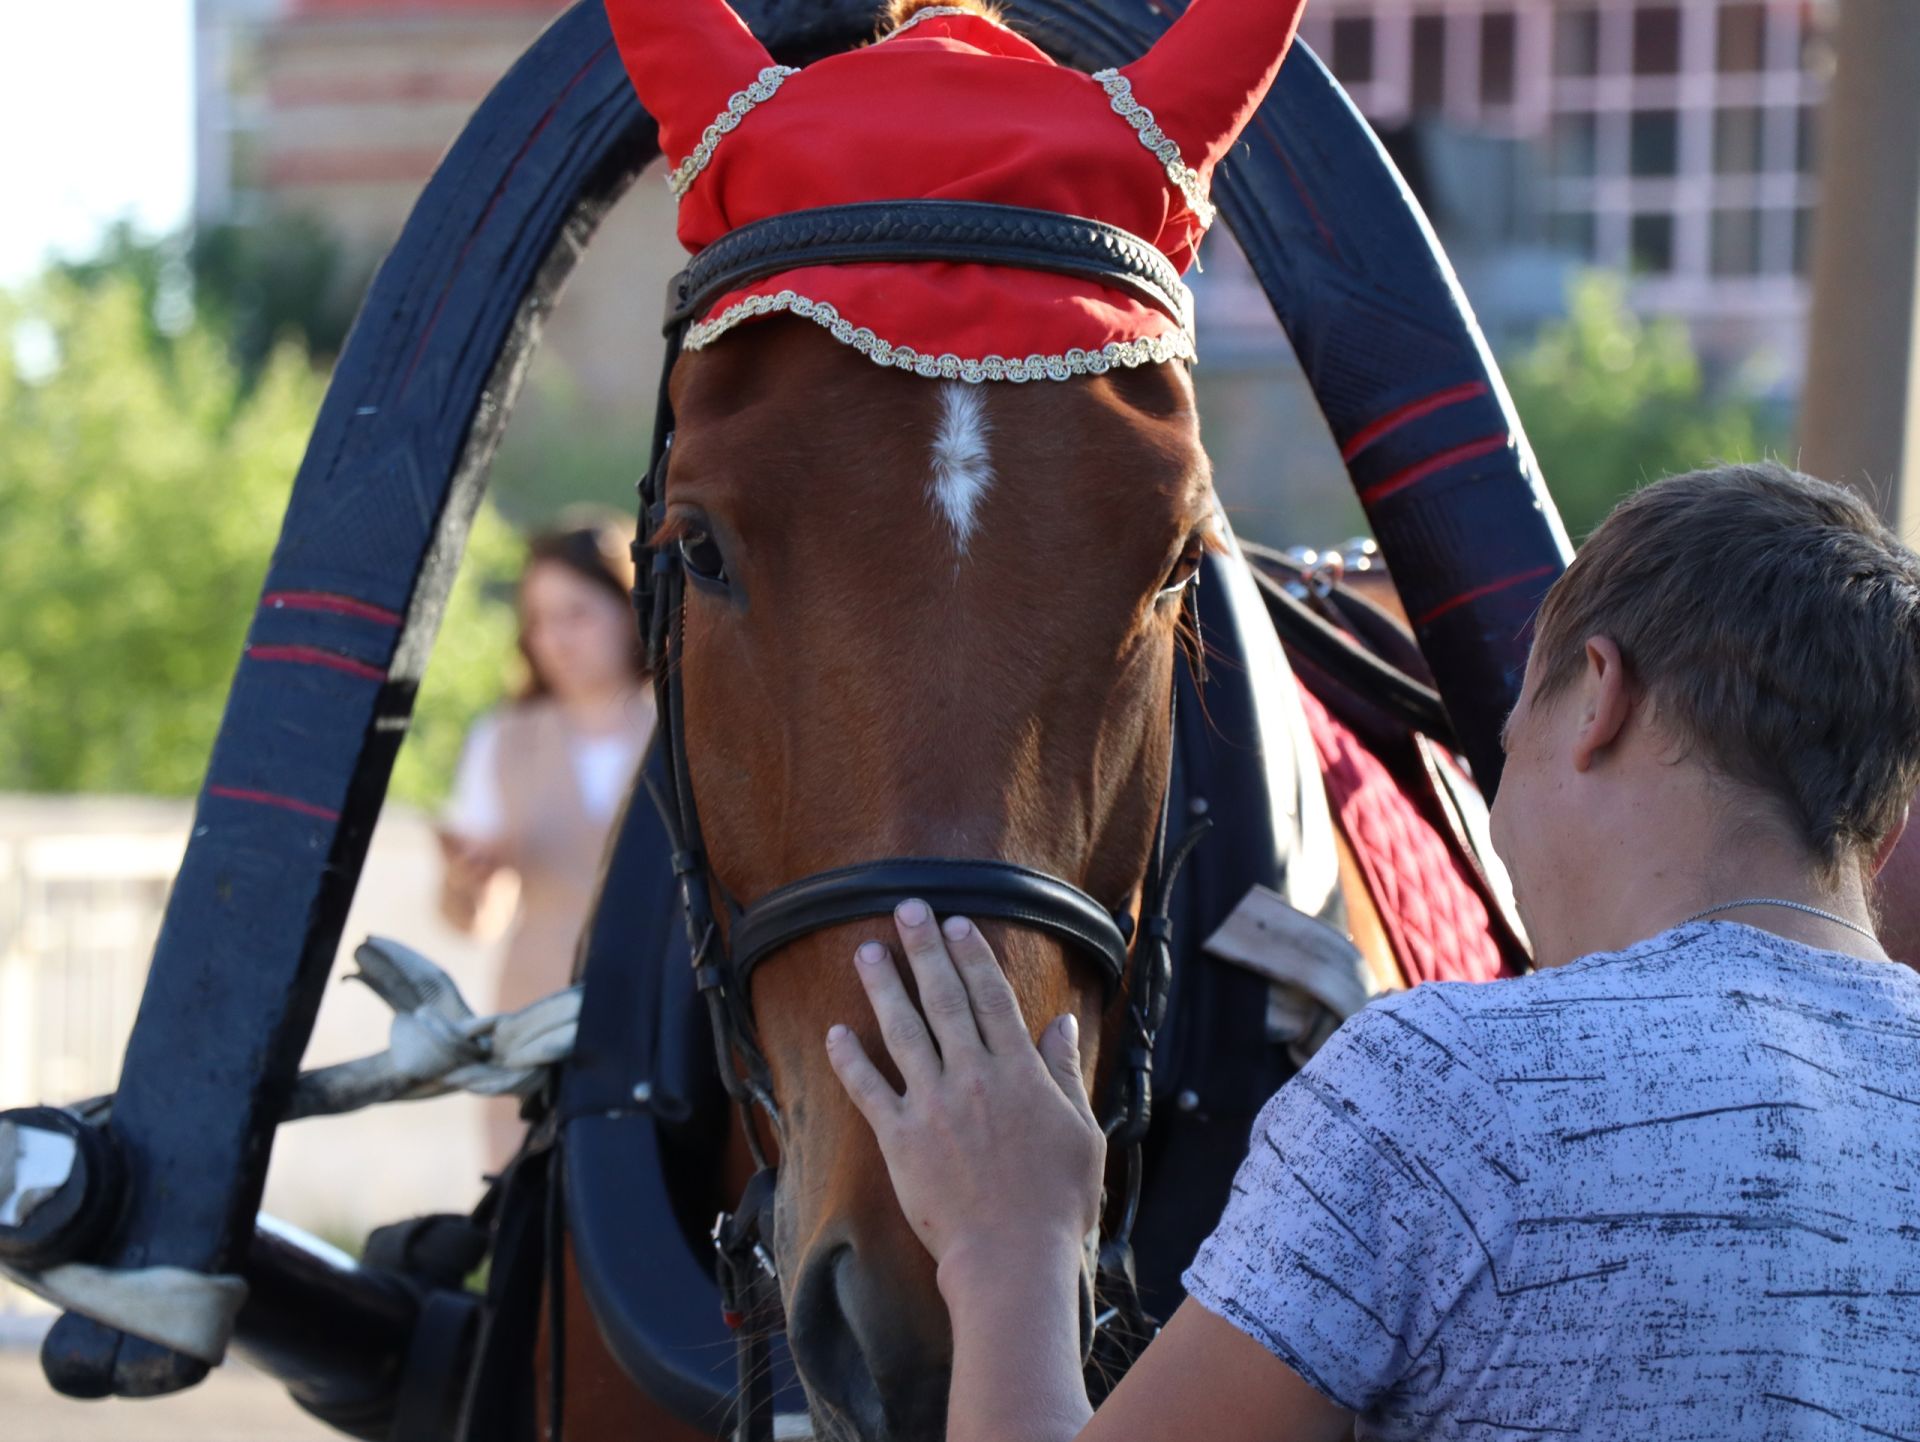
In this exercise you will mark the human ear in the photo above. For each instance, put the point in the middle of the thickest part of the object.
(1603, 701)
(1891, 843)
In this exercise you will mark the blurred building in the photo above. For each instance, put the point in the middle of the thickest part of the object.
(341, 109)
(1671, 139)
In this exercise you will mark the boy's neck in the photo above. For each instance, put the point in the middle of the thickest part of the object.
(1684, 849)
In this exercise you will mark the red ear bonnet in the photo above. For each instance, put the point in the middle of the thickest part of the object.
(953, 105)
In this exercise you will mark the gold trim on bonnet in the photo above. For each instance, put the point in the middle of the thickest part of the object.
(763, 89)
(1150, 350)
(1162, 145)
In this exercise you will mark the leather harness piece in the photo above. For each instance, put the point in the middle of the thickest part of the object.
(1136, 966)
(959, 231)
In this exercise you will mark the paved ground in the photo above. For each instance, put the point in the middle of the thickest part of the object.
(233, 1405)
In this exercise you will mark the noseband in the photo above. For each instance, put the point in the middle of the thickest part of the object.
(1137, 967)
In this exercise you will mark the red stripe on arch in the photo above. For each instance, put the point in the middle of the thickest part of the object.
(313, 656)
(268, 798)
(1491, 588)
(1413, 475)
(1411, 411)
(335, 605)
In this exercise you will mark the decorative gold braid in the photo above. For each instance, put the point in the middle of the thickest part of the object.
(1162, 145)
(1151, 350)
(738, 105)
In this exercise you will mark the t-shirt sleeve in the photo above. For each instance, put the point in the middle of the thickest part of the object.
(1378, 1192)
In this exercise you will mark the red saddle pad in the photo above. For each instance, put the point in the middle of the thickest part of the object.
(1434, 918)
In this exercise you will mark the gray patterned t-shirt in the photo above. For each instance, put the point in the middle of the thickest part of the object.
(1669, 1193)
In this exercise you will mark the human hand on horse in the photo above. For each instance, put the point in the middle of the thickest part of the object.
(996, 1156)
(993, 1147)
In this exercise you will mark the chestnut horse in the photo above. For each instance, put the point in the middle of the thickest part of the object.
(927, 619)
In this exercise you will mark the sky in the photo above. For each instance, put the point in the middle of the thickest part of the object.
(96, 104)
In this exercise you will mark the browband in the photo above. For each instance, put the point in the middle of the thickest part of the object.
(964, 232)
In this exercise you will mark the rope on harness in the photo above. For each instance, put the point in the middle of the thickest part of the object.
(437, 1044)
(185, 1311)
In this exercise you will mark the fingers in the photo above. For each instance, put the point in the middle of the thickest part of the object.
(901, 1028)
(996, 1010)
(943, 997)
(1060, 1049)
(872, 1096)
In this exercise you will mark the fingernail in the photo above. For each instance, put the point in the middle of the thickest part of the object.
(912, 913)
(836, 1034)
(1070, 1029)
(956, 927)
(871, 953)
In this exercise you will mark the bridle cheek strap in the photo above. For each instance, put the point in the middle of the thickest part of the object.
(1000, 890)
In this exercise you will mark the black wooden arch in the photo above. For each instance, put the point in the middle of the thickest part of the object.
(382, 503)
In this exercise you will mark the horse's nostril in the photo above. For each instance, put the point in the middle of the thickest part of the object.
(823, 1344)
(880, 1371)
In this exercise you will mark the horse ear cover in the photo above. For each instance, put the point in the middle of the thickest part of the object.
(686, 58)
(1203, 79)
(1208, 74)
(996, 122)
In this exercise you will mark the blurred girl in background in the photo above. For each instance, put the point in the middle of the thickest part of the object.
(543, 777)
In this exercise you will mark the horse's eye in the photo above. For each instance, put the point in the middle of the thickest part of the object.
(700, 554)
(1185, 572)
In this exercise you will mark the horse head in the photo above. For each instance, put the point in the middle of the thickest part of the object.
(922, 611)
(923, 620)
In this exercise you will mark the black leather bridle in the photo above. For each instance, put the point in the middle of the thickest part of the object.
(1136, 966)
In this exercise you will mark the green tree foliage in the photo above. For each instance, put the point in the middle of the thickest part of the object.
(285, 279)
(1610, 402)
(142, 480)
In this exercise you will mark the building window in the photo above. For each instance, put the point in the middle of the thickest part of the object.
(1575, 232)
(1736, 140)
(1651, 242)
(1742, 43)
(1807, 141)
(1736, 242)
(1499, 45)
(1429, 63)
(1575, 149)
(1576, 43)
(1653, 143)
(1656, 40)
(1352, 49)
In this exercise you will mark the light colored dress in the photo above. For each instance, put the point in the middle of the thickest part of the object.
(1668, 1193)
(545, 797)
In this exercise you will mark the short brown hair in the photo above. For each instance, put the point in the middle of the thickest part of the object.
(1775, 624)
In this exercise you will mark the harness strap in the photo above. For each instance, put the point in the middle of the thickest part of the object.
(964, 232)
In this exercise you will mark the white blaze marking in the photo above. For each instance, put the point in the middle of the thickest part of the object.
(962, 465)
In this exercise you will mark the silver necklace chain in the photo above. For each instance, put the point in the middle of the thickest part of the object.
(1791, 906)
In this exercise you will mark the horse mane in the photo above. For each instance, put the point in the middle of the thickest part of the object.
(899, 12)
